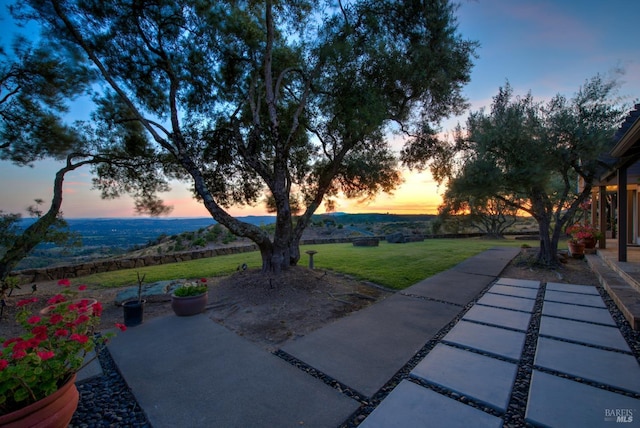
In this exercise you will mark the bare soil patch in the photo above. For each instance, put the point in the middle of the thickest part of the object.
(270, 309)
(571, 271)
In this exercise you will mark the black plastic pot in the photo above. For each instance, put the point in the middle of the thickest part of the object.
(133, 312)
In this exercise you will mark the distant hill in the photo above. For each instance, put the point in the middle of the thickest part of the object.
(131, 232)
(109, 237)
(346, 218)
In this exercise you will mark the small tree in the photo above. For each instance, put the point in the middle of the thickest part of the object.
(36, 85)
(529, 155)
(488, 215)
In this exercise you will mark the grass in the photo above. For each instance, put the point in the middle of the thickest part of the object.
(399, 266)
(393, 265)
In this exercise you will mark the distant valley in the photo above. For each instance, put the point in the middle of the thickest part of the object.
(113, 237)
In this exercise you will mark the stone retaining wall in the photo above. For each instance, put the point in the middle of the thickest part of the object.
(98, 266)
(27, 276)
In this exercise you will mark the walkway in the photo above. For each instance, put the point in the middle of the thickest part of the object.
(432, 355)
(584, 373)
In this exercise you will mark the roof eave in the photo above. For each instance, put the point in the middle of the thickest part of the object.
(630, 137)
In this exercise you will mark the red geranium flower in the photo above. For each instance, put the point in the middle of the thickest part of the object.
(80, 338)
(19, 354)
(40, 332)
(97, 309)
(55, 319)
(32, 343)
(81, 319)
(58, 298)
(45, 355)
(25, 302)
(34, 319)
(122, 327)
(3, 364)
(64, 282)
(61, 332)
(10, 341)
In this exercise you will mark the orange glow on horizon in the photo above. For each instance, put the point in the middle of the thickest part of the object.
(419, 194)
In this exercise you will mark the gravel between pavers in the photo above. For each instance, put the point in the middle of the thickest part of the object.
(515, 413)
(106, 401)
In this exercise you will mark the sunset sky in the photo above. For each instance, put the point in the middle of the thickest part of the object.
(546, 47)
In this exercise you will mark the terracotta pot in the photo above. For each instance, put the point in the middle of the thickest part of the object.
(589, 243)
(189, 305)
(53, 411)
(576, 249)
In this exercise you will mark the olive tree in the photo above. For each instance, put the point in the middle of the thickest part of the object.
(488, 215)
(530, 154)
(247, 100)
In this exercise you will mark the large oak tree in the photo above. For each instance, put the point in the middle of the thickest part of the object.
(248, 100)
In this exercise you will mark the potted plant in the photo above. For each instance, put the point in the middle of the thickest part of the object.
(585, 233)
(134, 309)
(38, 368)
(190, 298)
(576, 248)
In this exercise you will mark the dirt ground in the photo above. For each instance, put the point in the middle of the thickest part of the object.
(270, 310)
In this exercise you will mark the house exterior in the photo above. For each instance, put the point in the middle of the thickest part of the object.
(618, 192)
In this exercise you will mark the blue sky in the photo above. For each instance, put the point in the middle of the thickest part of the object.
(546, 47)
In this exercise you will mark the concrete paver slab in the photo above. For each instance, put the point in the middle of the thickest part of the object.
(483, 378)
(365, 349)
(526, 283)
(450, 286)
(558, 402)
(580, 313)
(412, 406)
(607, 367)
(573, 288)
(510, 290)
(174, 365)
(490, 262)
(507, 302)
(574, 298)
(579, 331)
(499, 317)
(493, 340)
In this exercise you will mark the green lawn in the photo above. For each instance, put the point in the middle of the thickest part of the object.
(393, 265)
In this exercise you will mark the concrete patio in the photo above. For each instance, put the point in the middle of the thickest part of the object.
(463, 348)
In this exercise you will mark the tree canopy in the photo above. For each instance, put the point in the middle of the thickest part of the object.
(35, 86)
(248, 100)
(530, 155)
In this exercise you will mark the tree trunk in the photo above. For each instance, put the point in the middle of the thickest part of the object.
(37, 232)
(548, 253)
